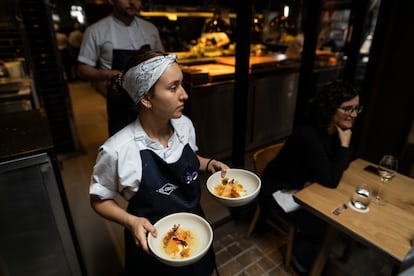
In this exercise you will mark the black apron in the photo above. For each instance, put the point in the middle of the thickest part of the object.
(119, 105)
(120, 57)
(165, 189)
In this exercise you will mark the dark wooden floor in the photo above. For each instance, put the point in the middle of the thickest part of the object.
(101, 242)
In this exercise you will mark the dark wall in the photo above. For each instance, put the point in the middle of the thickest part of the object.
(11, 40)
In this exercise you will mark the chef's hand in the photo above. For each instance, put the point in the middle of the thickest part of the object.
(215, 166)
(139, 227)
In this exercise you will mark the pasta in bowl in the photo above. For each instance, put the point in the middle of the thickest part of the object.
(239, 187)
(183, 238)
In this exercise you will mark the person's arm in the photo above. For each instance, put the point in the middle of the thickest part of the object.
(206, 164)
(88, 58)
(103, 190)
(90, 73)
(212, 165)
(139, 226)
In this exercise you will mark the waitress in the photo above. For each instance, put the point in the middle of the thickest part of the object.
(152, 163)
(105, 47)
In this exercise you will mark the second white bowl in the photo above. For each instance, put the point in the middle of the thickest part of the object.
(250, 181)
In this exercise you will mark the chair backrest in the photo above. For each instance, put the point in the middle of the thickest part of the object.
(264, 155)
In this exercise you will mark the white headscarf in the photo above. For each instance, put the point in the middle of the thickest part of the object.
(138, 80)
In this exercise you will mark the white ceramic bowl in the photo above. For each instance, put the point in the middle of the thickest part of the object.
(198, 226)
(250, 181)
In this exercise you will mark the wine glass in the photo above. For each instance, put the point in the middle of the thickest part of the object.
(387, 168)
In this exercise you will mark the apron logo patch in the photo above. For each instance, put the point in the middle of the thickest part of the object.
(190, 177)
(167, 189)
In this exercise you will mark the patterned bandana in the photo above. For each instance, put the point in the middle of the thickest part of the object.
(138, 80)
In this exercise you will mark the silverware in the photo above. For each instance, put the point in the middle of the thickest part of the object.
(340, 209)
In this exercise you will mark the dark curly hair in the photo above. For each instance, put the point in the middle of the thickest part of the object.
(326, 102)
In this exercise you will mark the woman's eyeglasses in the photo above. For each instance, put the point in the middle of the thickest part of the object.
(348, 110)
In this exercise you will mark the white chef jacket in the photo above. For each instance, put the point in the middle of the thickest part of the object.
(118, 168)
(110, 33)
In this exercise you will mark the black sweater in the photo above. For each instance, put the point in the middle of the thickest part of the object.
(309, 155)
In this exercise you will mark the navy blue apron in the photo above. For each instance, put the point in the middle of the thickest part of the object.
(165, 189)
(120, 106)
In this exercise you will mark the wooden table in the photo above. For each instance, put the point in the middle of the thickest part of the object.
(388, 227)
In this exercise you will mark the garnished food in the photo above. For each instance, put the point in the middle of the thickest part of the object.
(177, 242)
(229, 188)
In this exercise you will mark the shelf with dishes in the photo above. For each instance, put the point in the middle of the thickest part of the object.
(16, 94)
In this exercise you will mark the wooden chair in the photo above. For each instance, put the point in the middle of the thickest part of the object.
(260, 160)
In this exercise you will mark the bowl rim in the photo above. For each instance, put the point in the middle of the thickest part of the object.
(252, 194)
(183, 261)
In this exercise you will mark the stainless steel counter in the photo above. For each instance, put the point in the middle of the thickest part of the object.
(37, 236)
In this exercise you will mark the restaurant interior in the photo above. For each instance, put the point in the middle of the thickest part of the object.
(276, 56)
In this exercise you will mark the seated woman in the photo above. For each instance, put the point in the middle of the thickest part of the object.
(319, 151)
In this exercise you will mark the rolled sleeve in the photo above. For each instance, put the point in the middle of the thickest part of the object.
(104, 177)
